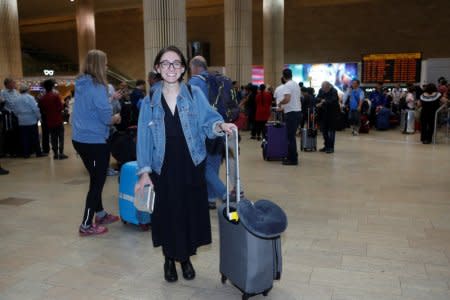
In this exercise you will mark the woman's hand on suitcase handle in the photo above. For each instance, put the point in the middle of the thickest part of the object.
(144, 180)
(227, 128)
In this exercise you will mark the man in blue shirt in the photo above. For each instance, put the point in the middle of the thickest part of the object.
(355, 98)
(377, 99)
(214, 148)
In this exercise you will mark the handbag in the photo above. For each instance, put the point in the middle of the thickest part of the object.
(242, 121)
(145, 199)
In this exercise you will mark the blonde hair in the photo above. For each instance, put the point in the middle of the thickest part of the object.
(95, 65)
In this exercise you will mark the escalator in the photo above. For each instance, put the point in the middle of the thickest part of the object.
(35, 61)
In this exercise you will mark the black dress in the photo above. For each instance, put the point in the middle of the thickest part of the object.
(180, 219)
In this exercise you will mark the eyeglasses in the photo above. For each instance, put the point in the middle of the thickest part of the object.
(167, 64)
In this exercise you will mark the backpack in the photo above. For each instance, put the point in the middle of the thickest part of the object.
(129, 114)
(221, 97)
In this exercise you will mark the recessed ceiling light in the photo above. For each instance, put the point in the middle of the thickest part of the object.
(72, 0)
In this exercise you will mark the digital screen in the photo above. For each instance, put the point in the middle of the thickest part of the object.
(391, 68)
(339, 75)
(257, 75)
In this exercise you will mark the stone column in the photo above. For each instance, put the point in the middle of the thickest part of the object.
(164, 25)
(10, 51)
(273, 41)
(238, 40)
(85, 17)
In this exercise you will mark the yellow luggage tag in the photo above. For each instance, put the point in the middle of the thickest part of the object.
(234, 216)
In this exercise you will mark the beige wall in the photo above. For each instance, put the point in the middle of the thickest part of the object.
(343, 32)
(121, 35)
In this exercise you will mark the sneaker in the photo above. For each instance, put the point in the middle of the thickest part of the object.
(92, 230)
(212, 205)
(289, 163)
(144, 227)
(233, 196)
(3, 171)
(111, 172)
(62, 156)
(107, 219)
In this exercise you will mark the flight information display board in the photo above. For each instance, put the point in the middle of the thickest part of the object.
(391, 68)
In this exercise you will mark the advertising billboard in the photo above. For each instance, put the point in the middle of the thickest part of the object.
(312, 75)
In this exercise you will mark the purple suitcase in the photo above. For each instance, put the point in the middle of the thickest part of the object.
(275, 146)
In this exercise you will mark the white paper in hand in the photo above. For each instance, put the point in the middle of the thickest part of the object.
(144, 200)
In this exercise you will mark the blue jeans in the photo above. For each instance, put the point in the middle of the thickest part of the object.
(293, 119)
(215, 186)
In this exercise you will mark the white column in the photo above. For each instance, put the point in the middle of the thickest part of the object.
(10, 51)
(85, 16)
(238, 40)
(273, 41)
(164, 25)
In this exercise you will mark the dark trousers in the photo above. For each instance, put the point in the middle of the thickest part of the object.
(45, 136)
(292, 119)
(329, 136)
(57, 139)
(427, 125)
(260, 127)
(95, 158)
(30, 140)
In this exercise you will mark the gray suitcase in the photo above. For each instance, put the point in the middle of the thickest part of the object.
(308, 140)
(407, 121)
(249, 262)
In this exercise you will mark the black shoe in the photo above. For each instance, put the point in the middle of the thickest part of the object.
(170, 271)
(253, 137)
(289, 163)
(323, 149)
(329, 151)
(188, 270)
(42, 154)
(3, 171)
(62, 156)
(212, 205)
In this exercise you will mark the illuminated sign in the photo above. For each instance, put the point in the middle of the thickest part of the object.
(391, 68)
(48, 72)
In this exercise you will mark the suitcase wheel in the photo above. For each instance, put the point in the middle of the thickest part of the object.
(124, 222)
(223, 279)
(266, 292)
(246, 296)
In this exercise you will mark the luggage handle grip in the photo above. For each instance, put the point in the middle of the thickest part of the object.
(235, 146)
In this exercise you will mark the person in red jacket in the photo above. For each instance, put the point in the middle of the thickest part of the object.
(52, 106)
(263, 106)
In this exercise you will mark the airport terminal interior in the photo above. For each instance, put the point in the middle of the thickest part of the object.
(370, 220)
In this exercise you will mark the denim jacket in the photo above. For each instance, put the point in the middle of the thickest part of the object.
(198, 120)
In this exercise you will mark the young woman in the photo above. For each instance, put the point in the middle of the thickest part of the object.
(171, 154)
(91, 119)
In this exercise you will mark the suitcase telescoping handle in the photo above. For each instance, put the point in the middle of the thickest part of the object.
(234, 147)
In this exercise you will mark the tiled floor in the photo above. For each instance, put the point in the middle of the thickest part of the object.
(371, 221)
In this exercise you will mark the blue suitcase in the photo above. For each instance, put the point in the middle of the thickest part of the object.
(383, 117)
(128, 213)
